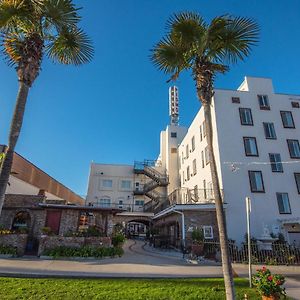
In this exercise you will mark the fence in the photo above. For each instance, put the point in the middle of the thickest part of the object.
(277, 254)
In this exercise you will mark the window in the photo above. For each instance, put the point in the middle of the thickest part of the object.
(194, 167)
(263, 102)
(196, 194)
(202, 159)
(104, 202)
(204, 189)
(235, 100)
(295, 104)
(188, 173)
(193, 143)
(250, 146)
(208, 232)
(126, 185)
(107, 183)
(246, 116)
(207, 158)
(139, 202)
(287, 119)
(173, 134)
(283, 203)
(204, 129)
(269, 131)
(183, 178)
(187, 151)
(201, 137)
(276, 164)
(294, 148)
(182, 158)
(297, 178)
(120, 203)
(256, 182)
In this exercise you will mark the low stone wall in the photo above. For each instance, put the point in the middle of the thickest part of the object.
(50, 242)
(18, 241)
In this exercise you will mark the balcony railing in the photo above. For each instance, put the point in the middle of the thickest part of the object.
(125, 207)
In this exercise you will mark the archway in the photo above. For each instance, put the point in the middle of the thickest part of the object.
(137, 228)
(21, 222)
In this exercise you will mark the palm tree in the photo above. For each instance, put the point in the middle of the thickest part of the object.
(206, 50)
(30, 30)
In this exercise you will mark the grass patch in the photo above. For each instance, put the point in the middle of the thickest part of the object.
(113, 289)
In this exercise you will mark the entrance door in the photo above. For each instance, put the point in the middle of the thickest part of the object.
(53, 220)
(294, 238)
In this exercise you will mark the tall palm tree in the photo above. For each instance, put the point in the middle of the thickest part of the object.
(30, 30)
(206, 50)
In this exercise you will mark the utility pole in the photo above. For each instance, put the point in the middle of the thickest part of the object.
(248, 211)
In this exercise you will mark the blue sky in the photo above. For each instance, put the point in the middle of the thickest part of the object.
(113, 109)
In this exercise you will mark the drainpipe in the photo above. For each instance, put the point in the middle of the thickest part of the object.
(182, 227)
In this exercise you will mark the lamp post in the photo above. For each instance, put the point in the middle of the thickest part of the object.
(248, 211)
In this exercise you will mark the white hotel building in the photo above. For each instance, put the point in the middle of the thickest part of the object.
(256, 142)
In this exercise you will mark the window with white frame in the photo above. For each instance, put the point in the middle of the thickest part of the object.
(294, 148)
(187, 151)
(204, 129)
(287, 119)
(107, 183)
(263, 102)
(202, 159)
(120, 202)
(188, 173)
(276, 164)
(208, 232)
(201, 136)
(126, 184)
(246, 116)
(269, 131)
(182, 158)
(283, 203)
(194, 167)
(104, 202)
(139, 202)
(207, 158)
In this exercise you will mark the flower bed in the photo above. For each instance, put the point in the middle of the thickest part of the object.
(85, 251)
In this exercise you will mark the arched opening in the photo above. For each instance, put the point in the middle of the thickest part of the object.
(21, 222)
(137, 229)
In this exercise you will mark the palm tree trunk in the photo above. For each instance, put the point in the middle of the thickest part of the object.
(14, 133)
(226, 263)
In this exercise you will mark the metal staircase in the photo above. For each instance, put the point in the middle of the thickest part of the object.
(157, 180)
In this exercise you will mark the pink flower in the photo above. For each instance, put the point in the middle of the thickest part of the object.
(270, 278)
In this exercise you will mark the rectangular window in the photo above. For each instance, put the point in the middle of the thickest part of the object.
(196, 194)
(287, 119)
(208, 232)
(263, 102)
(104, 202)
(201, 137)
(204, 129)
(139, 202)
(194, 167)
(173, 134)
(246, 116)
(275, 161)
(187, 151)
(297, 179)
(269, 131)
(193, 143)
(182, 158)
(188, 173)
(256, 182)
(294, 148)
(295, 104)
(235, 100)
(202, 159)
(107, 183)
(250, 146)
(283, 203)
(207, 158)
(125, 184)
(204, 189)
(183, 177)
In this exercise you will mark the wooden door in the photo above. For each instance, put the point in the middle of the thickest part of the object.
(53, 220)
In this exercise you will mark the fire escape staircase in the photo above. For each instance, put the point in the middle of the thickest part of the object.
(157, 180)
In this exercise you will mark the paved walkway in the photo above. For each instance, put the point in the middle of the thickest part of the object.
(138, 261)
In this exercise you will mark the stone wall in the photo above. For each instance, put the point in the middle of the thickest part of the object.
(50, 242)
(69, 221)
(24, 201)
(18, 241)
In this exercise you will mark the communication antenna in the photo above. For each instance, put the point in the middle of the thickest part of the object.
(174, 105)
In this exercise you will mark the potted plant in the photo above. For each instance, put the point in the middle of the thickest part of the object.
(269, 285)
(198, 242)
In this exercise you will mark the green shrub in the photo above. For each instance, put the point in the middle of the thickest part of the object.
(198, 235)
(85, 251)
(8, 250)
(118, 239)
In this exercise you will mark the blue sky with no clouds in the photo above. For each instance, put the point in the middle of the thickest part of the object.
(112, 110)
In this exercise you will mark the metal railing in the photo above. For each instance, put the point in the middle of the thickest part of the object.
(126, 207)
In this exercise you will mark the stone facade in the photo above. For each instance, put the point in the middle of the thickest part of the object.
(50, 242)
(18, 241)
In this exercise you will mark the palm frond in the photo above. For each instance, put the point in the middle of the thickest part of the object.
(60, 13)
(72, 46)
(12, 48)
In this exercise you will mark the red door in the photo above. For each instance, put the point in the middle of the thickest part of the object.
(53, 220)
